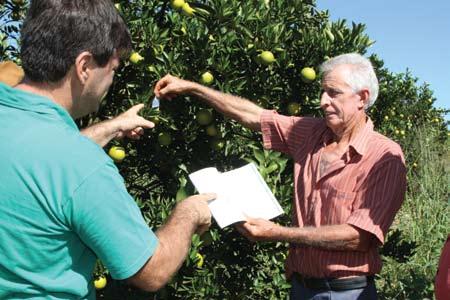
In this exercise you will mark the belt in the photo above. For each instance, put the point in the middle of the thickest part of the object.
(334, 284)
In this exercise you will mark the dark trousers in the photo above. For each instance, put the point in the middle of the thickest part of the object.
(300, 292)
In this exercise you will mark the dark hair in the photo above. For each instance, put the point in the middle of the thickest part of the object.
(55, 32)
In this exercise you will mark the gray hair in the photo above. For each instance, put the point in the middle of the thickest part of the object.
(360, 76)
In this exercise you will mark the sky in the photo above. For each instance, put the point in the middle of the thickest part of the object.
(412, 35)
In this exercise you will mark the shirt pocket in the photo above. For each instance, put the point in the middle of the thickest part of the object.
(336, 205)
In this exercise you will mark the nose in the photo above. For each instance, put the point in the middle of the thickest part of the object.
(324, 100)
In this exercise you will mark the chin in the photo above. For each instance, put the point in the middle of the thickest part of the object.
(334, 123)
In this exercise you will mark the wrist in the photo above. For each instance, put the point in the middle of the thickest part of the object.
(187, 211)
(197, 89)
(113, 127)
(287, 234)
(278, 232)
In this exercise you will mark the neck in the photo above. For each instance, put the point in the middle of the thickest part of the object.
(59, 92)
(350, 130)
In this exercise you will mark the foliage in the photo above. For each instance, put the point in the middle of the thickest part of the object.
(226, 38)
(421, 228)
(11, 14)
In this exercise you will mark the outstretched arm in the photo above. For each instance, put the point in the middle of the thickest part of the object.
(242, 110)
(189, 216)
(128, 124)
(332, 237)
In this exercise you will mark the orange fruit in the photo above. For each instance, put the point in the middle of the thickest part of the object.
(100, 282)
(164, 139)
(308, 74)
(204, 117)
(117, 153)
(266, 58)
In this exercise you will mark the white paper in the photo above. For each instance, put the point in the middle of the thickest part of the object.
(155, 103)
(240, 192)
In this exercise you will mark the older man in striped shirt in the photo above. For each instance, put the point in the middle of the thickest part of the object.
(349, 180)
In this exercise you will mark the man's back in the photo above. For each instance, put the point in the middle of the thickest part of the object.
(41, 165)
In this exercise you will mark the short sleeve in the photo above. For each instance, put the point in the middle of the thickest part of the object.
(380, 197)
(108, 221)
(287, 134)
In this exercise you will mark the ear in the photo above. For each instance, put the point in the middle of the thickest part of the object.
(364, 95)
(84, 63)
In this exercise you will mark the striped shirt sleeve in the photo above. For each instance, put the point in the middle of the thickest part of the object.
(380, 197)
(284, 133)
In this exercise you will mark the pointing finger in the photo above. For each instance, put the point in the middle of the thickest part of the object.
(144, 123)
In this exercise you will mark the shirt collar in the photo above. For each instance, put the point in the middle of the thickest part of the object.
(32, 102)
(359, 143)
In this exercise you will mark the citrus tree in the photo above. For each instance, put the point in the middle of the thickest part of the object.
(11, 15)
(268, 51)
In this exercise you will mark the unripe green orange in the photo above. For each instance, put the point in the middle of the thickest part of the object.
(177, 4)
(164, 139)
(136, 58)
(207, 78)
(308, 74)
(204, 117)
(266, 58)
(293, 108)
(100, 282)
(117, 153)
(211, 130)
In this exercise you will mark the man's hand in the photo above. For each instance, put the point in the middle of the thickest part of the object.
(190, 216)
(130, 124)
(259, 230)
(343, 237)
(198, 205)
(127, 124)
(169, 87)
(242, 110)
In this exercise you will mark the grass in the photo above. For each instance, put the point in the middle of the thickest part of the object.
(416, 239)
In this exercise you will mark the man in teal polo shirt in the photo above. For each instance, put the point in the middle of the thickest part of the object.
(62, 200)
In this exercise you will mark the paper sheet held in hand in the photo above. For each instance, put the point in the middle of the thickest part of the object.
(240, 192)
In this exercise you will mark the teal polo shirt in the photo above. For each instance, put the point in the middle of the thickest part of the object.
(63, 203)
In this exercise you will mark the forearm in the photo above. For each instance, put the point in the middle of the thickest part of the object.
(333, 237)
(243, 111)
(102, 133)
(174, 242)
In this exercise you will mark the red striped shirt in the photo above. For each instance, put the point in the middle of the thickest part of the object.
(365, 189)
(442, 280)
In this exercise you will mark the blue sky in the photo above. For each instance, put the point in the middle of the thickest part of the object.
(412, 35)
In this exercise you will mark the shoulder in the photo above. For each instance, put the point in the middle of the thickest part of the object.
(63, 151)
(382, 153)
(380, 144)
(302, 125)
(75, 148)
(274, 116)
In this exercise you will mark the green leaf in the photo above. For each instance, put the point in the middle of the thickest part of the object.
(259, 155)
